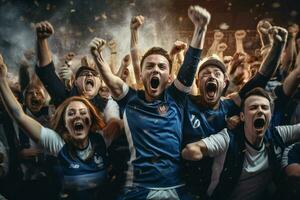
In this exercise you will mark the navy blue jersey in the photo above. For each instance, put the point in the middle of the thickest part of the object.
(154, 134)
(84, 174)
(200, 122)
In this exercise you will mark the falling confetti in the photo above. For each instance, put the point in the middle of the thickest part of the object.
(96, 18)
(294, 13)
(48, 7)
(275, 5)
(72, 10)
(91, 30)
(223, 26)
(104, 16)
(36, 3)
(71, 3)
(180, 19)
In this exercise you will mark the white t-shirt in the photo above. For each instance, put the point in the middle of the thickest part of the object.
(255, 162)
(111, 110)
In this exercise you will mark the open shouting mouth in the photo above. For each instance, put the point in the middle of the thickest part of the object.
(89, 84)
(211, 88)
(259, 123)
(154, 82)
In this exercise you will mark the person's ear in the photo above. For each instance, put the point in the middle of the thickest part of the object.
(242, 116)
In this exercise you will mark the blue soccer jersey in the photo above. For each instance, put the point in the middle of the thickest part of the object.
(154, 134)
(81, 172)
(86, 174)
(154, 130)
(201, 122)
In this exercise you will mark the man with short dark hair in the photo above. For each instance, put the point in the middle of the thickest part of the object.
(247, 158)
(153, 117)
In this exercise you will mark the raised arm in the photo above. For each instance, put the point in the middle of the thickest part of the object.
(28, 124)
(269, 64)
(218, 36)
(112, 45)
(263, 27)
(114, 83)
(177, 50)
(43, 31)
(220, 50)
(239, 38)
(290, 52)
(135, 24)
(200, 18)
(45, 68)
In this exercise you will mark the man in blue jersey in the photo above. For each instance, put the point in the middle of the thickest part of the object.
(153, 118)
(209, 112)
(247, 158)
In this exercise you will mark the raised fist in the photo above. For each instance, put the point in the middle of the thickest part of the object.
(97, 45)
(222, 47)
(279, 34)
(240, 34)
(3, 68)
(69, 56)
(177, 47)
(263, 27)
(218, 36)
(112, 45)
(199, 16)
(136, 22)
(44, 30)
(293, 30)
(126, 60)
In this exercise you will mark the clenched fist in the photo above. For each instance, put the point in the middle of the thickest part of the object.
(263, 27)
(178, 46)
(97, 45)
(222, 47)
(44, 30)
(137, 22)
(218, 36)
(240, 34)
(293, 30)
(112, 45)
(199, 16)
(279, 34)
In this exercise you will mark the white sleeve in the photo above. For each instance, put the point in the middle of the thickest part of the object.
(51, 141)
(290, 133)
(111, 110)
(217, 144)
(125, 89)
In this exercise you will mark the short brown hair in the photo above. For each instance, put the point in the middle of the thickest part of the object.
(58, 120)
(256, 92)
(159, 51)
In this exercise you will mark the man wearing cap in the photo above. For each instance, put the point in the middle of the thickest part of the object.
(87, 79)
(248, 157)
(209, 112)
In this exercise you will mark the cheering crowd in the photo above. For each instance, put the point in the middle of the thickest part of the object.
(183, 125)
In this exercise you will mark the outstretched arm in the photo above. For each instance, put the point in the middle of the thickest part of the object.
(175, 53)
(135, 24)
(239, 38)
(112, 45)
(28, 124)
(290, 52)
(43, 31)
(263, 27)
(200, 18)
(114, 82)
(218, 36)
(269, 64)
